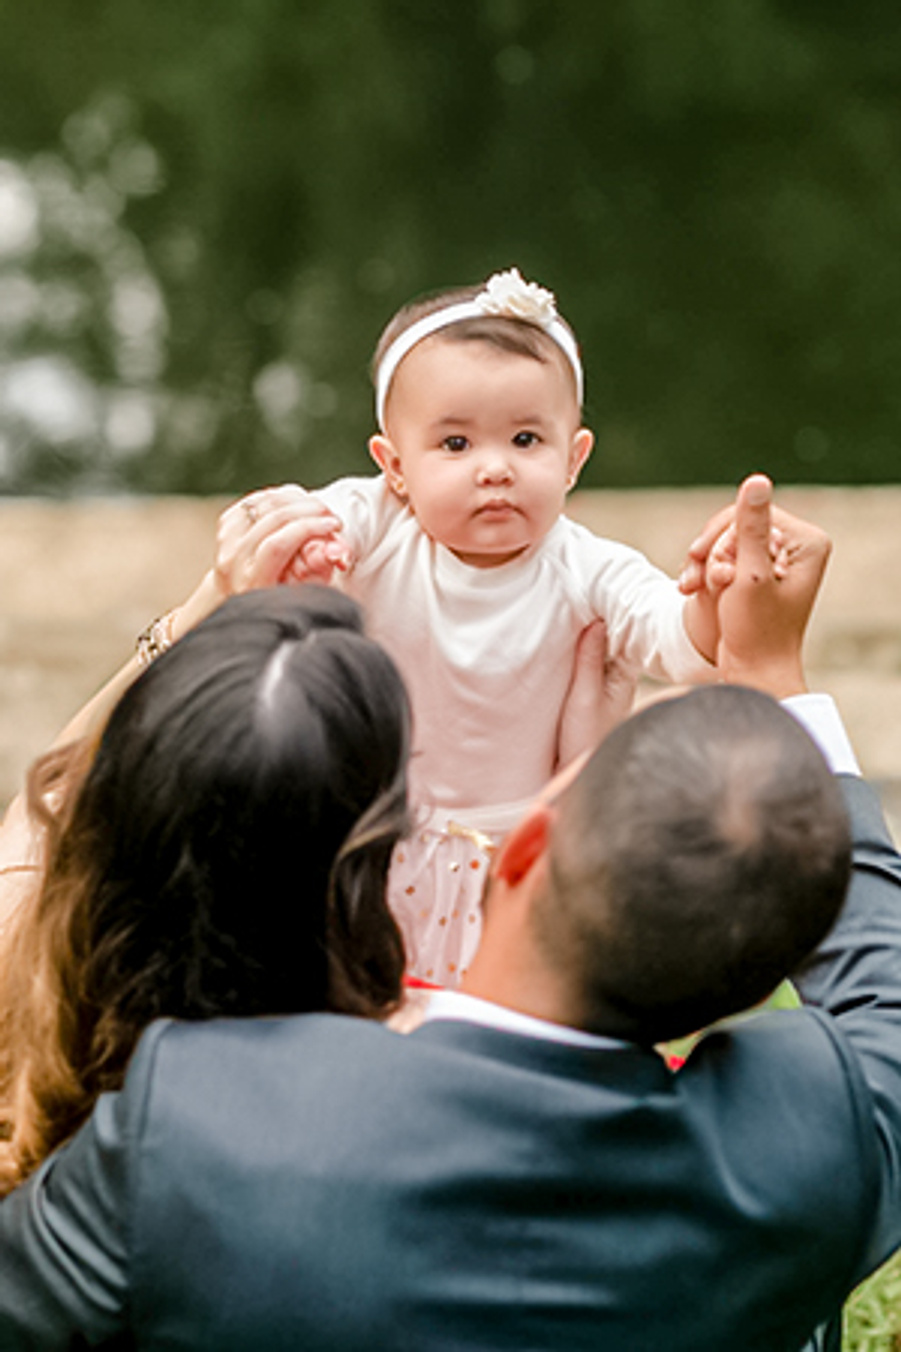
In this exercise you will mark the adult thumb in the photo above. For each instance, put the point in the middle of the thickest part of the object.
(752, 526)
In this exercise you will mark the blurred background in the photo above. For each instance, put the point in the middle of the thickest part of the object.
(208, 211)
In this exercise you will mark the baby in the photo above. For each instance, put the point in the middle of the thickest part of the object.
(479, 587)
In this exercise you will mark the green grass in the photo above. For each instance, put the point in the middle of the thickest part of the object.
(872, 1320)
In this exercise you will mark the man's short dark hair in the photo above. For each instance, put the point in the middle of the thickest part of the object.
(701, 854)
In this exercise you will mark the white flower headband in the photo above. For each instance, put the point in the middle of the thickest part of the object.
(505, 293)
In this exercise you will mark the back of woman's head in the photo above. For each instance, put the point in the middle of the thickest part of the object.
(228, 848)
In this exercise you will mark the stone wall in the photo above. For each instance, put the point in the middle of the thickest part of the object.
(80, 579)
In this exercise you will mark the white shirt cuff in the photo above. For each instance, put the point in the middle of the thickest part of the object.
(818, 715)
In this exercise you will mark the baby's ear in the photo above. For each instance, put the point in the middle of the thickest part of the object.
(388, 461)
(579, 451)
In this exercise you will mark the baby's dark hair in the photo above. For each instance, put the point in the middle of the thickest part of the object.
(697, 860)
(521, 337)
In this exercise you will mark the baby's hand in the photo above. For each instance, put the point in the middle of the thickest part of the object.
(710, 562)
(318, 559)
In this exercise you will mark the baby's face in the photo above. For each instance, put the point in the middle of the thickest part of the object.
(483, 444)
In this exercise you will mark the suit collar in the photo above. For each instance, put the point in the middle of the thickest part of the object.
(621, 1065)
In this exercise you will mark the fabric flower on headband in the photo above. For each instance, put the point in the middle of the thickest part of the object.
(508, 293)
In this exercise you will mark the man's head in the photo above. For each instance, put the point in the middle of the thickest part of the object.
(698, 857)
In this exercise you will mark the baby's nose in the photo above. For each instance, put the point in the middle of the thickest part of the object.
(494, 467)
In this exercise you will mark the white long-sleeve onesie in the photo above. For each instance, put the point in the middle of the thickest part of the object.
(487, 655)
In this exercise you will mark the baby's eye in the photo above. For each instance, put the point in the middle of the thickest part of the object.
(526, 439)
(455, 443)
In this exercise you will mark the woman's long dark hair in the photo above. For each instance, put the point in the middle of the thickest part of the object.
(226, 853)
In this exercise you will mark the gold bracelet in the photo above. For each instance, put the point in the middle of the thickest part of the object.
(155, 639)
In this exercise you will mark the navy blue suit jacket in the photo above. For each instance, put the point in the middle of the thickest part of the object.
(322, 1183)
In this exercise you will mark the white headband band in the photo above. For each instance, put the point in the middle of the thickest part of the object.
(506, 294)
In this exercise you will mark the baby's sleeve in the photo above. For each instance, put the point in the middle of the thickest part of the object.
(642, 607)
(359, 505)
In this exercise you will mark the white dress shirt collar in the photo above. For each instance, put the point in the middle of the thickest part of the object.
(470, 1009)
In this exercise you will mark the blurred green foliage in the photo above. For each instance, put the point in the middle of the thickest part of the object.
(208, 211)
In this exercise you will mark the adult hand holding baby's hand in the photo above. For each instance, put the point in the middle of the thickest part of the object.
(710, 563)
(711, 567)
(763, 612)
(277, 535)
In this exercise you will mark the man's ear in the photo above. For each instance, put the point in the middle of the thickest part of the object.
(579, 451)
(388, 461)
(525, 846)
